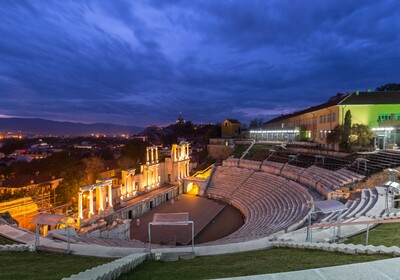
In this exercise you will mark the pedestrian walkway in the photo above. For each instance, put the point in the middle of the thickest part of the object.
(376, 270)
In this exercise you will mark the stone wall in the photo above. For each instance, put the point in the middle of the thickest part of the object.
(219, 151)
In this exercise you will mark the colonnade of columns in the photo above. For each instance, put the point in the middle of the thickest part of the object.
(151, 169)
(183, 169)
(180, 152)
(152, 155)
(129, 188)
(153, 178)
(100, 198)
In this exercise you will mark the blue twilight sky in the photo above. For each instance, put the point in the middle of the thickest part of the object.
(143, 62)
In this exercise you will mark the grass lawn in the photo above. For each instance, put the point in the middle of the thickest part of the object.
(255, 149)
(239, 150)
(385, 234)
(27, 265)
(251, 263)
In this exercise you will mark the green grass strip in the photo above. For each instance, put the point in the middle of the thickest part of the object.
(27, 265)
(250, 263)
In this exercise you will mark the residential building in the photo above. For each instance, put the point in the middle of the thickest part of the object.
(230, 128)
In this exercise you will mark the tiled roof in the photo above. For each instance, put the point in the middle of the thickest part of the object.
(25, 180)
(233, 121)
(355, 98)
(375, 97)
(311, 109)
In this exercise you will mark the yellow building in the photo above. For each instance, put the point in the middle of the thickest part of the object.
(379, 110)
(230, 128)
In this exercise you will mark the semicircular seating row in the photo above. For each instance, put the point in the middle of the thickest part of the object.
(269, 203)
(324, 181)
(370, 206)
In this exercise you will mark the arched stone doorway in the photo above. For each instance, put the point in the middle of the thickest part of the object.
(192, 188)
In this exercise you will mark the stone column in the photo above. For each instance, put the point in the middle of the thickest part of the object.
(110, 195)
(147, 155)
(156, 155)
(91, 201)
(101, 206)
(80, 206)
(179, 171)
(188, 151)
(157, 176)
(187, 169)
(152, 154)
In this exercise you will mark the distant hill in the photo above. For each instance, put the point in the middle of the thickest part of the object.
(46, 127)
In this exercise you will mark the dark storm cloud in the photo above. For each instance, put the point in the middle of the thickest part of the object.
(142, 63)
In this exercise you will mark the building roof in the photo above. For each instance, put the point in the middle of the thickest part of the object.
(308, 110)
(234, 121)
(26, 180)
(48, 219)
(374, 97)
(355, 98)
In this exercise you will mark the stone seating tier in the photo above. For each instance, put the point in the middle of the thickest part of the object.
(270, 203)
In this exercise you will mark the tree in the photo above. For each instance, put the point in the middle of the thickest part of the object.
(389, 87)
(346, 132)
(361, 135)
(11, 144)
(76, 176)
(303, 133)
(125, 162)
(256, 123)
(335, 136)
(68, 189)
(136, 151)
(92, 167)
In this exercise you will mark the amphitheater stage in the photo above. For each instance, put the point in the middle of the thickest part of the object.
(201, 210)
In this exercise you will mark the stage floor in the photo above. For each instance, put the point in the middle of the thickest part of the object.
(201, 210)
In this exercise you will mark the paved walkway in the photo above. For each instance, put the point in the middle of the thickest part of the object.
(376, 270)
(108, 251)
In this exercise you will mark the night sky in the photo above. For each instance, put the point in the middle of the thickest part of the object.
(143, 62)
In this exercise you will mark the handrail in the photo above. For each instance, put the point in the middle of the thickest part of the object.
(355, 223)
(201, 172)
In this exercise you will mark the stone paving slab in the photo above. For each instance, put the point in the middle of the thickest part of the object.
(376, 270)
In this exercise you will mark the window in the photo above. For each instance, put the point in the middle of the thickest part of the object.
(320, 119)
(329, 118)
(333, 117)
(324, 118)
(384, 117)
(320, 134)
(397, 117)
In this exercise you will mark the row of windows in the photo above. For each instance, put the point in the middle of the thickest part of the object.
(327, 118)
(388, 117)
(311, 121)
(322, 133)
